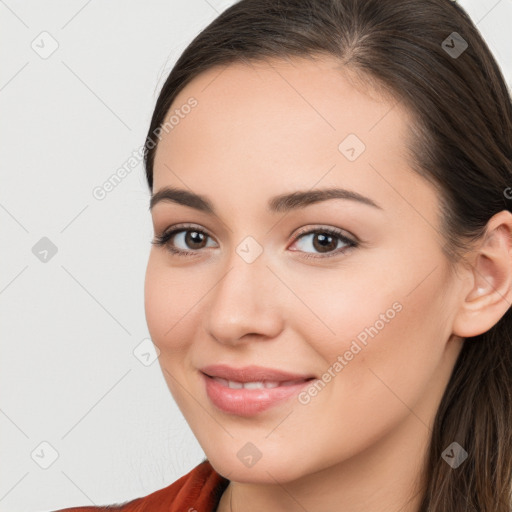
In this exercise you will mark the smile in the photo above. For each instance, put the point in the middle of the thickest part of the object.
(250, 398)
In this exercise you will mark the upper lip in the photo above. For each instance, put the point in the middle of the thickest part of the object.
(251, 373)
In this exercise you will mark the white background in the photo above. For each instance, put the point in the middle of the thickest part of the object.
(70, 325)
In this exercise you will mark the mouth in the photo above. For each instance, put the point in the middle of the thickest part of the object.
(253, 374)
(250, 393)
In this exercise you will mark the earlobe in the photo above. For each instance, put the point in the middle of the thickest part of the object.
(491, 271)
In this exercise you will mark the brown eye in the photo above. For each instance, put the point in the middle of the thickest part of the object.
(194, 239)
(328, 242)
(323, 242)
(183, 241)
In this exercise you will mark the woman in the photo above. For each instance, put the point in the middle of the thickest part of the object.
(331, 276)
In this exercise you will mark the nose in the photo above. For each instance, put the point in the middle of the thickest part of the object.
(244, 304)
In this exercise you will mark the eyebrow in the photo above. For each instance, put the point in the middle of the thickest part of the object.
(280, 203)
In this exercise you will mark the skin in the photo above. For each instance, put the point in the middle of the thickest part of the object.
(265, 129)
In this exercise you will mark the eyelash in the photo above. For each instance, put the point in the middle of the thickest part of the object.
(163, 239)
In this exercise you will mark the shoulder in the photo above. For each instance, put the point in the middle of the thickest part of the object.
(197, 491)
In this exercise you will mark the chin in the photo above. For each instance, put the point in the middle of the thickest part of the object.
(264, 471)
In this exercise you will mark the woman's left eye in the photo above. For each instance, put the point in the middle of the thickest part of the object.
(324, 240)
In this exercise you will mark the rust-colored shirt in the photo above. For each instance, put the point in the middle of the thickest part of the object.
(197, 491)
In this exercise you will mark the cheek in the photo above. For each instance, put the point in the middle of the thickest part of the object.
(171, 299)
(167, 299)
(344, 306)
(380, 335)
(380, 382)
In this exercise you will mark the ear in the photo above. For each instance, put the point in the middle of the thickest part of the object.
(490, 269)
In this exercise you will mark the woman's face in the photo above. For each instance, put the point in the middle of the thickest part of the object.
(371, 322)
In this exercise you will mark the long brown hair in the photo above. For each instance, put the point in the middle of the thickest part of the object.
(461, 141)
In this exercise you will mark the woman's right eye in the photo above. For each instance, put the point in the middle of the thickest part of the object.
(191, 239)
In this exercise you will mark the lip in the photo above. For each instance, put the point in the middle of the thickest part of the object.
(251, 373)
(249, 402)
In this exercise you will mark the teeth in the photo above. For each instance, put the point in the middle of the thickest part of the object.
(254, 385)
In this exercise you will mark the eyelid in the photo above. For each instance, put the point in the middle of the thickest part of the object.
(185, 226)
(343, 233)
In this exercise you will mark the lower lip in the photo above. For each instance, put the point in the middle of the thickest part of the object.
(248, 402)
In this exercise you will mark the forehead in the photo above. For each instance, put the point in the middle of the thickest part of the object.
(283, 125)
(298, 98)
